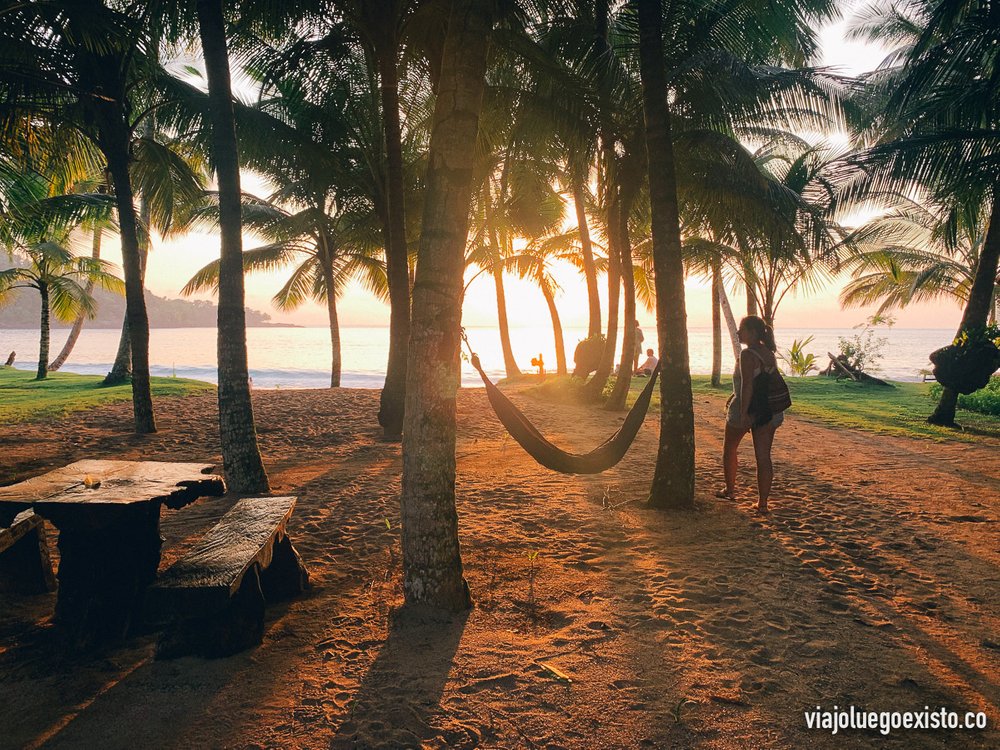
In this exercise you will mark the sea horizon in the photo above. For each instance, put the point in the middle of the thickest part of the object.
(299, 357)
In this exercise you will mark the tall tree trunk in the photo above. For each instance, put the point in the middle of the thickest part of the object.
(74, 332)
(727, 313)
(673, 480)
(977, 309)
(43, 340)
(240, 453)
(392, 399)
(331, 310)
(116, 151)
(432, 561)
(509, 362)
(716, 323)
(557, 330)
(595, 386)
(587, 251)
(751, 298)
(619, 394)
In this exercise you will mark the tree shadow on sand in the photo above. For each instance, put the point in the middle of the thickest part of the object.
(398, 702)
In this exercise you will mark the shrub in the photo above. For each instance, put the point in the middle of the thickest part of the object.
(863, 350)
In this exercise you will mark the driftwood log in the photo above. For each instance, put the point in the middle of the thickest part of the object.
(212, 600)
(839, 367)
(25, 567)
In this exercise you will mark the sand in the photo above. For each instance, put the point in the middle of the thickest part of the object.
(872, 583)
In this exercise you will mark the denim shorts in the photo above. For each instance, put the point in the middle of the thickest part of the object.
(733, 414)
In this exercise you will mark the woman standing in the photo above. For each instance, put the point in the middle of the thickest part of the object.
(758, 357)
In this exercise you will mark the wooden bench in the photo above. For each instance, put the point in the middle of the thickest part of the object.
(25, 567)
(212, 599)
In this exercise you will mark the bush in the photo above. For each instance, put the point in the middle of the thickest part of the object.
(984, 401)
(863, 351)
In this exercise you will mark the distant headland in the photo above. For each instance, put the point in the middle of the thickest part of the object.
(24, 312)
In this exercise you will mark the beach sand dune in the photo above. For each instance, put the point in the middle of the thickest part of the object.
(873, 583)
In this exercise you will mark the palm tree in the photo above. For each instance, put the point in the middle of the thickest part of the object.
(240, 453)
(917, 252)
(535, 263)
(61, 280)
(328, 245)
(932, 117)
(83, 65)
(803, 242)
(169, 175)
(77, 327)
(432, 562)
(673, 479)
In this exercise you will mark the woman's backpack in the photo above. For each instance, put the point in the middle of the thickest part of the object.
(769, 396)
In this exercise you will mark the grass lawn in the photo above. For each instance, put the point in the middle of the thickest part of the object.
(22, 398)
(901, 410)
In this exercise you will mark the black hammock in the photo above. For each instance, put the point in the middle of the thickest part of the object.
(548, 455)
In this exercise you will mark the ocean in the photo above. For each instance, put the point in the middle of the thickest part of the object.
(300, 357)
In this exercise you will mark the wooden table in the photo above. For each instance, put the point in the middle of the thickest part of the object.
(108, 517)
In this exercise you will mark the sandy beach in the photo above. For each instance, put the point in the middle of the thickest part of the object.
(872, 583)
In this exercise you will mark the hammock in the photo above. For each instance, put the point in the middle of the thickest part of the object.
(548, 455)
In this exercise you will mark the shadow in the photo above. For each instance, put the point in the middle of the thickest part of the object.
(398, 701)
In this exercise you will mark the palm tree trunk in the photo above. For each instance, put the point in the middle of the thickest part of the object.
(587, 251)
(240, 453)
(619, 394)
(595, 386)
(557, 330)
(716, 323)
(751, 298)
(432, 561)
(121, 369)
(727, 313)
(392, 399)
(509, 362)
(673, 480)
(43, 340)
(331, 309)
(74, 332)
(117, 150)
(977, 309)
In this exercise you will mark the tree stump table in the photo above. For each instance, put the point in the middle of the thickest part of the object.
(108, 517)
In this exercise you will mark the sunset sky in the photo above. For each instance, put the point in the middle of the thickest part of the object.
(173, 262)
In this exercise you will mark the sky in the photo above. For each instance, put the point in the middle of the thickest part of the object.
(172, 262)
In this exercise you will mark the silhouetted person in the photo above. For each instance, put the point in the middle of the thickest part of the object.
(758, 357)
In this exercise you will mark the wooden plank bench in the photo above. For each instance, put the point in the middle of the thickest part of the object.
(212, 599)
(25, 567)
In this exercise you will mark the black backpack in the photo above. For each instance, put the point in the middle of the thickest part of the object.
(769, 396)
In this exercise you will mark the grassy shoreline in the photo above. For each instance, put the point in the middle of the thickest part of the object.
(901, 410)
(22, 398)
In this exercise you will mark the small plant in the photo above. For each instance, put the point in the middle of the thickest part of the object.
(800, 363)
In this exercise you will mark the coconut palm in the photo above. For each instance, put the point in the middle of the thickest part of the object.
(673, 479)
(85, 66)
(328, 246)
(240, 452)
(432, 562)
(917, 252)
(931, 115)
(62, 280)
(797, 242)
